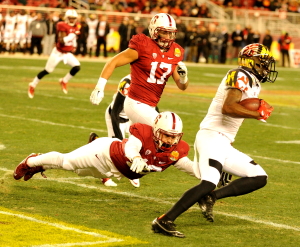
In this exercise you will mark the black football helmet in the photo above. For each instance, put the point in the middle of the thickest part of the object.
(259, 60)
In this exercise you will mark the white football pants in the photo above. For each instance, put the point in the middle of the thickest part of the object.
(92, 159)
(138, 112)
(56, 57)
(215, 145)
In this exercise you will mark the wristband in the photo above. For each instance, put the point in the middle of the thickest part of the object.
(135, 157)
(101, 84)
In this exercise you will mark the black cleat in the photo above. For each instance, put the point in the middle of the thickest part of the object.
(206, 205)
(166, 227)
(92, 137)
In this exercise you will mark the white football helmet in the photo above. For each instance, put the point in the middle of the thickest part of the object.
(170, 124)
(71, 13)
(163, 23)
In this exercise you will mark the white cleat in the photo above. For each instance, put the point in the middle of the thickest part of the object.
(63, 86)
(30, 91)
(135, 182)
(108, 182)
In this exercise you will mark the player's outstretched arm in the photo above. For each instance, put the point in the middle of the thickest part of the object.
(123, 58)
(180, 76)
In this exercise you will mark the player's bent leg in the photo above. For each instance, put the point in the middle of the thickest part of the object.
(139, 112)
(241, 186)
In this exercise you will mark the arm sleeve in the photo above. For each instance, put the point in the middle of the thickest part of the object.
(115, 112)
(186, 165)
(132, 147)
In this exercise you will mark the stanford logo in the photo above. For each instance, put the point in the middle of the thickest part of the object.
(154, 55)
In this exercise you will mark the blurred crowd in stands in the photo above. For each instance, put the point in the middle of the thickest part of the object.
(188, 8)
(34, 32)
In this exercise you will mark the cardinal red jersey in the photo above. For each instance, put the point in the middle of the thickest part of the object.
(65, 27)
(150, 72)
(157, 161)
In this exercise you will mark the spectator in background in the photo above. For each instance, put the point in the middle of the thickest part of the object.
(126, 30)
(284, 44)
(49, 39)
(237, 39)
(204, 11)
(267, 40)
(202, 44)
(92, 22)
(181, 32)
(38, 30)
(102, 30)
(9, 31)
(225, 39)
(215, 41)
(256, 36)
(82, 37)
(190, 47)
(21, 30)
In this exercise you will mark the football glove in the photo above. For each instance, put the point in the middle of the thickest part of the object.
(182, 71)
(98, 93)
(224, 179)
(264, 110)
(139, 165)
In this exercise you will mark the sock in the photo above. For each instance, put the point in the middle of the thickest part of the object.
(189, 198)
(67, 78)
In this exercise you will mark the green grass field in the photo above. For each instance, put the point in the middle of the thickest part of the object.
(67, 210)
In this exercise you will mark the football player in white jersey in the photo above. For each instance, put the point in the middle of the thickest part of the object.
(213, 146)
(21, 30)
(92, 22)
(9, 31)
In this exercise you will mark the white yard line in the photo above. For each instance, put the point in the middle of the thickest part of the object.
(52, 123)
(162, 201)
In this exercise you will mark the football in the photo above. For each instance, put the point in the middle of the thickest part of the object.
(251, 104)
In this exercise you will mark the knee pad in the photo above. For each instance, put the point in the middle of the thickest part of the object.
(74, 70)
(42, 74)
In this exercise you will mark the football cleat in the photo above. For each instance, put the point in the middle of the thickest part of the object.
(23, 168)
(206, 205)
(166, 227)
(63, 85)
(30, 91)
(92, 137)
(108, 182)
(135, 182)
(34, 170)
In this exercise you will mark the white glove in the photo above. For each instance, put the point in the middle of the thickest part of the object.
(98, 93)
(138, 165)
(182, 71)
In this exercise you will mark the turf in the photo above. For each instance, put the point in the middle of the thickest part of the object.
(52, 121)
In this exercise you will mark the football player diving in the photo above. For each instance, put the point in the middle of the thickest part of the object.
(148, 149)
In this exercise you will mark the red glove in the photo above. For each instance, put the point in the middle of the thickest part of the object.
(264, 110)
